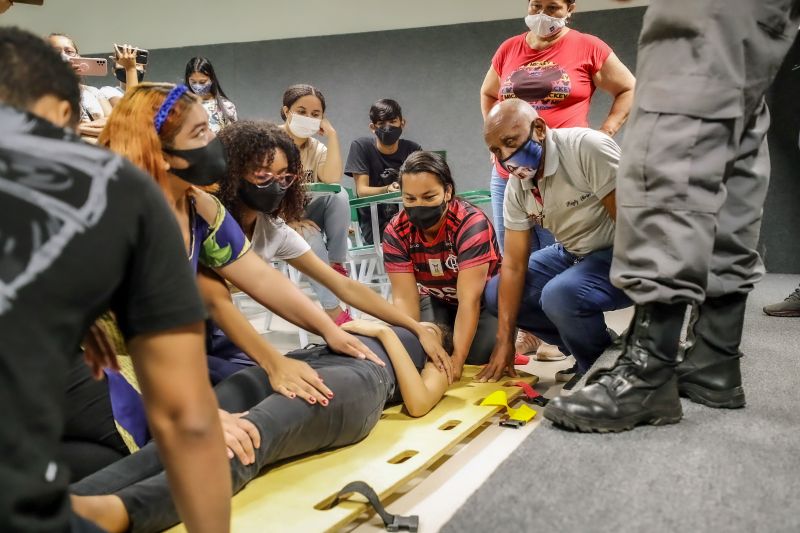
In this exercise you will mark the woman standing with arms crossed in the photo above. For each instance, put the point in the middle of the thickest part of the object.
(555, 69)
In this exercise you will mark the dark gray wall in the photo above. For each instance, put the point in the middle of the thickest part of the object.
(436, 73)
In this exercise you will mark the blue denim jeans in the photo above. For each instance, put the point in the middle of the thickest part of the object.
(326, 298)
(563, 301)
(540, 237)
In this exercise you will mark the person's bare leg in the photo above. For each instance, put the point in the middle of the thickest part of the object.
(108, 512)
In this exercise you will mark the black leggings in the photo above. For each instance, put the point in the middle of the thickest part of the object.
(90, 440)
(434, 310)
(288, 428)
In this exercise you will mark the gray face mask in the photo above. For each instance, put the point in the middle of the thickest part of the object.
(201, 89)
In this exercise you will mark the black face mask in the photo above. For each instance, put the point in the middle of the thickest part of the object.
(425, 216)
(120, 74)
(388, 135)
(207, 164)
(264, 198)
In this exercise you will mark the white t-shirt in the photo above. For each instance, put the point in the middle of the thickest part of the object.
(274, 240)
(313, 157)
(111, 92)
(90, 103)
(580, 169)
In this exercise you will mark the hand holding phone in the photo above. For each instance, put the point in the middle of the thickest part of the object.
(121, 53)
(89, 66)
(124, 56)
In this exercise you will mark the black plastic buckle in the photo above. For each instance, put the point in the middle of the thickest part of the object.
(509, 423)
(541, 401)
(404, 523)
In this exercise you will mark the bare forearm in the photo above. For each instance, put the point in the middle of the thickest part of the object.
(512, 282)
(368, 301)
(368, 190)
(487, 102)
(466, 324)
(408, 306)
(332, 171)
(131, 79)
(415, 394)
(618, 113)
(239, 330)
(289, 302)
(202, 495)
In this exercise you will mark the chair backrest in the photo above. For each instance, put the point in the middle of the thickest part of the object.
(442, 153)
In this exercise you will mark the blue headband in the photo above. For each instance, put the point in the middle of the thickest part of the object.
(166, 107)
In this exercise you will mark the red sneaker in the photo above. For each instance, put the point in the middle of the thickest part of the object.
(343, 318)
(339, 267)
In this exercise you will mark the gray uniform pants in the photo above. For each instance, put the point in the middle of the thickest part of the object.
(695, 165)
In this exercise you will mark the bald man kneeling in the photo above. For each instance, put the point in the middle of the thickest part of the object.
(563, 180)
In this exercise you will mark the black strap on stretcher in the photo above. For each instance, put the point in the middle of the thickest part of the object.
(390, 521)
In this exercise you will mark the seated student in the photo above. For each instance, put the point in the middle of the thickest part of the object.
(128, 72)
(201, 78)
(132, 495)
(83, 231)
(563, 179)
(164, 130)
(94, 106)
(304, 112)
(262, 185)
(373, 162)
(449, 248)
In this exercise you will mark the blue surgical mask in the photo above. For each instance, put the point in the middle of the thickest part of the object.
(525, 161)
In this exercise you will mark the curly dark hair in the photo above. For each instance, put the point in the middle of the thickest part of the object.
(247, 143)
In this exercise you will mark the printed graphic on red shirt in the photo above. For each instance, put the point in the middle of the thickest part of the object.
(543, 84)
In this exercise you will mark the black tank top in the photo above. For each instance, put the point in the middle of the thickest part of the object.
(412, 346)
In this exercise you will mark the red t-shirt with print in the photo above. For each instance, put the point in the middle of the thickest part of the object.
(557, 81)
(465, 240)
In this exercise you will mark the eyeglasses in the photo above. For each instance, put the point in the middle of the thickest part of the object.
(283, 180)
(69, 52)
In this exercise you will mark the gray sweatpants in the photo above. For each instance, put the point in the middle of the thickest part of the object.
(695, 165)
(288, 427)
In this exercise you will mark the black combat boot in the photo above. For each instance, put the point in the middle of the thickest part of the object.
(709, 373)
(641, 387)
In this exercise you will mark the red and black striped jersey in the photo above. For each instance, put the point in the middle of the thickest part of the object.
(466, 239)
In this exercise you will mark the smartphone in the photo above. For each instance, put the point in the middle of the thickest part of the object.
(31, 2)
(89, 66)
(141, 55)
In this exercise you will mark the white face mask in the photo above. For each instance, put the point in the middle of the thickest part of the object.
(303, 127)
(544, 25)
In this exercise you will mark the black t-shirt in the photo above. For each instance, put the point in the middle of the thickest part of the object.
(365, 158)
(81, 231)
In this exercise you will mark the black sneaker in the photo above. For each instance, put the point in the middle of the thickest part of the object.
(788, 307)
